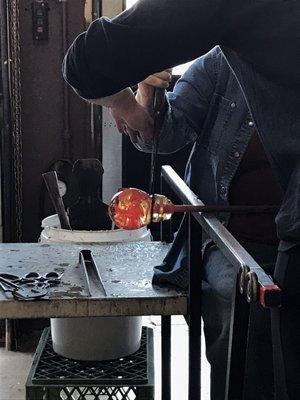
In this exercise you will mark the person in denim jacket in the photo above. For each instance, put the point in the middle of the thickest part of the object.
(260, 40)
(227, 166)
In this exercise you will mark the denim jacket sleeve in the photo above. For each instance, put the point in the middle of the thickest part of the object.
(188, 105)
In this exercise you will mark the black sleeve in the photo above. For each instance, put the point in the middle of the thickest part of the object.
(157, 34)
(149, 37)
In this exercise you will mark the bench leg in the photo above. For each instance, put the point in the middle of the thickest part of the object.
(166, 357)
(194, 309)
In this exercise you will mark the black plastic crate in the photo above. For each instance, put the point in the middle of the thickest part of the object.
(53, 377)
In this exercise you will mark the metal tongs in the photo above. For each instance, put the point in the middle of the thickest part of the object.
(91, 273)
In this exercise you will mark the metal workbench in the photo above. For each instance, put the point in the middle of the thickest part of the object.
(126, 270)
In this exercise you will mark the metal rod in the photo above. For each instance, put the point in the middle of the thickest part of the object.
(172, 208)
(158, 100)
(194, 310)
(166, 234)
(67, 134)
(166, 357)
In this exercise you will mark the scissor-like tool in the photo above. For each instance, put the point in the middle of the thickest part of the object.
(91, 273)
(24, 291)
(30, 286)
(50, 278)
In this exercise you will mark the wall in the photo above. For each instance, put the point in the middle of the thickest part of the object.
(44, 119)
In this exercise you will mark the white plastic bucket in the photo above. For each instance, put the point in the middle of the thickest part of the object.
(100, 338)
(96, 339)
(52, 233)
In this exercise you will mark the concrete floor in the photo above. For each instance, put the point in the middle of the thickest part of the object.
(179, 360)
(14, 366)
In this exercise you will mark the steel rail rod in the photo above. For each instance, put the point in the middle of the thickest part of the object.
(229, 246)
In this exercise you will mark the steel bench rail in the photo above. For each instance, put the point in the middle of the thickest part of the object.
(252, 284)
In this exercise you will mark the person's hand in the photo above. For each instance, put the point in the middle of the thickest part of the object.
(133, 114)
(133, 119)
(146, 88)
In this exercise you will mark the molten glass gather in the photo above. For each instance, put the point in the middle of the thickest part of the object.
(133, 208)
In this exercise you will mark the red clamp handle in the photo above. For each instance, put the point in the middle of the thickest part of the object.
(270, 296)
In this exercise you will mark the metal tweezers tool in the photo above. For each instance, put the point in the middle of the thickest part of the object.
(90, 268)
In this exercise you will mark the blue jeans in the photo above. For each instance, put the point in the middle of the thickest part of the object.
(218, 285)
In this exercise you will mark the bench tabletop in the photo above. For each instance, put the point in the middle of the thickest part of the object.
(126, 270)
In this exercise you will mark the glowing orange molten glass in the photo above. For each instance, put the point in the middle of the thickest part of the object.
(132, 208)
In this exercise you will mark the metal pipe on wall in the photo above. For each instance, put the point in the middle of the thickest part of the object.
(111, 140)
(67, 134)
(6, 195)
(92, 11)
(16, 113)
(11, 135)
(10, 231)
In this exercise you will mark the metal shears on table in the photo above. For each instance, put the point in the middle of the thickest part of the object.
(30, 286)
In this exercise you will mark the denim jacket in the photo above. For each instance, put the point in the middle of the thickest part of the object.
(207, 107)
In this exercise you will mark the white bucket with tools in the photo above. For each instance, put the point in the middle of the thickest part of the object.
(52, 233)
(100, 338)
